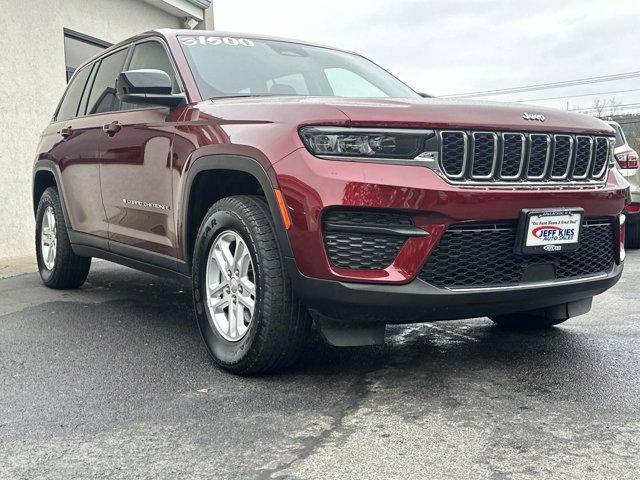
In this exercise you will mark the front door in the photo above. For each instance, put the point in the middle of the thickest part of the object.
(135, 173)
(135, 165)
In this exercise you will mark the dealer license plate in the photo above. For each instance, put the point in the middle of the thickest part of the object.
(549, 231)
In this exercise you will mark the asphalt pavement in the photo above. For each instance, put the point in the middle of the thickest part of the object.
(112, 381)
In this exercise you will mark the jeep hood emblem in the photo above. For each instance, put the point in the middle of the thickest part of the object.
(538, 117)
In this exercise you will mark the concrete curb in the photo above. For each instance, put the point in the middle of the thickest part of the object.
(12, 266)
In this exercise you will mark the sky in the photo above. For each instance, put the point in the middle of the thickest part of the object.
(450, 47)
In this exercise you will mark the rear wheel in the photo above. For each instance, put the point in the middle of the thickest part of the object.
(249, 317)
(525, 321)
(59, 267)
(632, 236)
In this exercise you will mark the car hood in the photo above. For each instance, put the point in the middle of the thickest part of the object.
(418, 113)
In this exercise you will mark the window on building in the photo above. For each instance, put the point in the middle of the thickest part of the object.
(103, 97)
(79, 48)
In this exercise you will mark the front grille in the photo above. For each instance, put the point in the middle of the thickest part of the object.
(538, 155)
(514, 157)
(484, 154)
(562, 156)
(482, 255)
(364, 240)
(600, 157)
(584, 147)
(453, 152)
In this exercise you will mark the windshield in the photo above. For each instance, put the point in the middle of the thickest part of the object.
(619, 135)
(233, 66)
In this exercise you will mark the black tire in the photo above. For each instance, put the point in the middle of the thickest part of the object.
(69, 270)
(632, 236)
(525, 321)
(281, 323)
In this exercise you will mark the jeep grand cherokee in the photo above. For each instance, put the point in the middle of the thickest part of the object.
(299, 185)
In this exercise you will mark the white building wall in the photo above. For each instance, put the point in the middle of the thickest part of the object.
(32, 79)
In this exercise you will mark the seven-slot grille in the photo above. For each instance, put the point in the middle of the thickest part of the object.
(501, 157)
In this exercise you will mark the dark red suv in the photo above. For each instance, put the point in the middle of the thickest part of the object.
(300, 185)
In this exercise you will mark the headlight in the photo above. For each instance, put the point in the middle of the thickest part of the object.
(364, 142)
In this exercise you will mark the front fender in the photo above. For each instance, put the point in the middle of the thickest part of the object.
(265, 177)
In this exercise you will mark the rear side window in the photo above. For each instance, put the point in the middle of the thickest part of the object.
(69, 106)
(103, 96)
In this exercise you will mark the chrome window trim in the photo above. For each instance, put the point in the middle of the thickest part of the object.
(546, 158)
(569, 161)
(523, 150)
(473, 155)
(464, 158)
(588, 169)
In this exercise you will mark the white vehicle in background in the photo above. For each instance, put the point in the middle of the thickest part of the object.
(627, 164)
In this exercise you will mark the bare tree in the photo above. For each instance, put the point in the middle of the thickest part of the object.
(605, 108)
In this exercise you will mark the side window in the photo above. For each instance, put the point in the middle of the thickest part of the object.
(69, 106)
(346, 83)
(82, 108)
(153, 56)
(103, 96)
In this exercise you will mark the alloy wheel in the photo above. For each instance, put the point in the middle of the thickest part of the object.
(48, 240)
(230, 286)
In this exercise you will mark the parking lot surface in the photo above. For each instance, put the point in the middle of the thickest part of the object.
(112, 381)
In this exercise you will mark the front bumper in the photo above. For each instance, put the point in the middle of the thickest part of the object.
(418, 301)
(311, 185)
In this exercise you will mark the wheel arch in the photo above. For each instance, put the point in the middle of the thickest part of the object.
(45, 175)
(231, 165)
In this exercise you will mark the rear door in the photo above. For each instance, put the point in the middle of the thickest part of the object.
(74, 150)
(135, 164)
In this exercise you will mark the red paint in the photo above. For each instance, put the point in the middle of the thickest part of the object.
(149, 158)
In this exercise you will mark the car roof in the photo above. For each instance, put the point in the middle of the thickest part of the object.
(253, 36)
(174, 32)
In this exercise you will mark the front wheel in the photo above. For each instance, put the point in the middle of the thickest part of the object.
(59, 267)
(248, 315)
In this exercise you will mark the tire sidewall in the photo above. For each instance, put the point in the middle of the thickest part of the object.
(222, 350)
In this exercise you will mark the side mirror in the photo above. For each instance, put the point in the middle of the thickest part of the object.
(147, 87)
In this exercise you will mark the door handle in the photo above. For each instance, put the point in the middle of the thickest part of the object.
(66, 132)
(111, 128)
